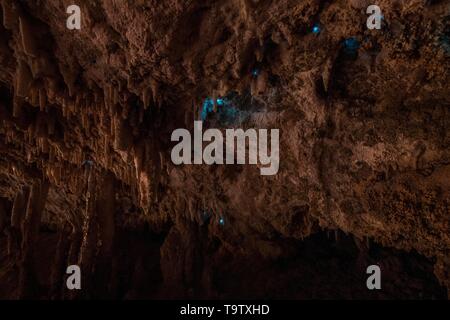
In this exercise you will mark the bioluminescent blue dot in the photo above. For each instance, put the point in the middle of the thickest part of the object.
(351, 44)
(221, 110)
(316, 29)
(255, 72)
(208, 107)
(221, 221)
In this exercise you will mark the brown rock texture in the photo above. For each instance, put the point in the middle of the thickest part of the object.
(86, 175)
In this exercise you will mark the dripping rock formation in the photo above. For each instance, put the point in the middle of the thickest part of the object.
(86, 176)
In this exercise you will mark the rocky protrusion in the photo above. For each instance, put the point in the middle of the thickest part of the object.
(122, 134)
(24, 79)
(26, 34)
(146, 96)
(10, 15)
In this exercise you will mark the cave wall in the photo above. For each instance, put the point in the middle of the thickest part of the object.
(85, 143)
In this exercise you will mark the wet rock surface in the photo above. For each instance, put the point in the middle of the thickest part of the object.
(86, 175)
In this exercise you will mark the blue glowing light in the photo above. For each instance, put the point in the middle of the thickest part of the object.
(255, 72)
(221, 221)
(316, 29)
(221, 110)
(351, 44)
(208, 107)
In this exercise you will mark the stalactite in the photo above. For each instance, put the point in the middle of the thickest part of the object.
(259, 54)
(105, 146)
(10, 15)
(138, 158)
(102, 118)
(41, 67)
(261, 82)
(146, 97)
(154, 85)
(191, 211)
(84, 121)
(19, 206)
(71, 107)
(111, 126)
(31, 133)
(26, 33)
(144, 190)
(38, 146)
(253, 88)
(125, 112)
(69, 79)
(105, 97)
(51, 86)
(115, 96)
(34, 209)
(34, 94)
(111, 98)
(23, 79)
(64, 108)
(327, 73)
(161, 160)
(17, 107)
(159, 102)
(42, 100)
(44, 145)
(55, 172)
(222, 89)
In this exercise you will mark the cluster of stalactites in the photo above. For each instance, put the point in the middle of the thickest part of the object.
(101, 120)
